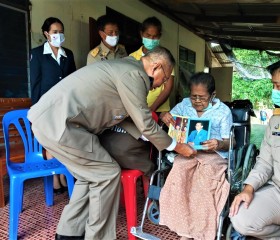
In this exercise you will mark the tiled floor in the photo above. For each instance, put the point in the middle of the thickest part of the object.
(38, 222)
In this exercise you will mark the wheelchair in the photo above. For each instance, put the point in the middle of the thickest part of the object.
(240, 161)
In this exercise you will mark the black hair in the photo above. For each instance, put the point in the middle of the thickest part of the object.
(48, 22)
(151, 21)
(205, 79)
(273, 67)
(104, 20)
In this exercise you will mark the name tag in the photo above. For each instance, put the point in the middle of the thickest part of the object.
(119, 117)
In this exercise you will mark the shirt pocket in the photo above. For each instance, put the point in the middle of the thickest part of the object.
(275, 146)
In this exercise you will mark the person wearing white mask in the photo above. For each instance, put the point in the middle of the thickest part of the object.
(49, 64)
(256, 210)
(109, 48)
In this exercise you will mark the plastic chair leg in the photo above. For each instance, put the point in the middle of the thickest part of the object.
(20, 187)
(146, 183)
(16, 188)
(129, 188)
(122, 200)
(48, 186)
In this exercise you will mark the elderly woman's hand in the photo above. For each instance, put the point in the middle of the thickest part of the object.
(215, 144)
(167, 118)
(211, 145)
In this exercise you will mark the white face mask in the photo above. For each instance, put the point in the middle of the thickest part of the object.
(57, 39)
(112, 40)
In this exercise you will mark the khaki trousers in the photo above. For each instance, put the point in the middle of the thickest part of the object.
(93, 207)
(262, 218)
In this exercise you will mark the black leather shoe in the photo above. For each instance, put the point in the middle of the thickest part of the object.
(58, 191)
(61, 237)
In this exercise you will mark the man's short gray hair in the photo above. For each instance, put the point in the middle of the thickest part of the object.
(162, 54)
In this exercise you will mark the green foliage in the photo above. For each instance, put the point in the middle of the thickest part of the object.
(259, 91)
(254, 58)
(254, 63)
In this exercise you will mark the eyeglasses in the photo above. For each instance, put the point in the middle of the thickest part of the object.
(199, 98)
(165, 76)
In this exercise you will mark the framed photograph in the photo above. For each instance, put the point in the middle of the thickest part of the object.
(179, 131)
(198, 132)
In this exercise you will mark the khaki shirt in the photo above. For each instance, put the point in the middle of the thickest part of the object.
(101, 53)
(267, 168)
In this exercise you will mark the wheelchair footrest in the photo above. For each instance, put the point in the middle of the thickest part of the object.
(138, 232)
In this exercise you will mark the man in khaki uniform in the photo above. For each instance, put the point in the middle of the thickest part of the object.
(256, 210)
(109, 48)
(68, 119)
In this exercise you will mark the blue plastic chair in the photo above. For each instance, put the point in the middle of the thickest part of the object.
(34, 166)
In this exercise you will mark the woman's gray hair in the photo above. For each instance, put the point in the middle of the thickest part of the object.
(163, 54)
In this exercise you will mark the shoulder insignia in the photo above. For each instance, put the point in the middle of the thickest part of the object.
(276, 111)
(94, 52)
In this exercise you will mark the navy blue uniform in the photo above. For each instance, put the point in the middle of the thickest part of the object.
(45, 72)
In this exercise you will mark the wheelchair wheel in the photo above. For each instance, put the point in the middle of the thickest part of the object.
(249, 162)
(245, 161)
(153, 212)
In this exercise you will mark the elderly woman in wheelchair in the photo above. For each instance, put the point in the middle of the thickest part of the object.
(196, 189)
(256, 210)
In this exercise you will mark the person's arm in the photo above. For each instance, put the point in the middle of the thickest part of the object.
(263, 169)
(72, 65)
(217, 145)
(258, 176)
(192, 136)
(225, 126)
(167, 119)
(35, 77)
(163, 96)
(132, 89)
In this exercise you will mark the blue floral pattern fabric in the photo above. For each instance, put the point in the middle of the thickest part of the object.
(220, 116)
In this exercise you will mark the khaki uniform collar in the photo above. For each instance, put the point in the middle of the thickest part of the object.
(105, 51)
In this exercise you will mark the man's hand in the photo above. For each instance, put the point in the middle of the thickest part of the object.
(167, 118)
(185, 149)
(245, 196)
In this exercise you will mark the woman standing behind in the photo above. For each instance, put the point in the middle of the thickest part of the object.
(49, 64)
(158, 98)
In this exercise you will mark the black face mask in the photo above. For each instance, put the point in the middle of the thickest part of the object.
(151, 80)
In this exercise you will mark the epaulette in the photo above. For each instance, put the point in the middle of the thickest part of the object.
(276, 111)
(94, 51)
